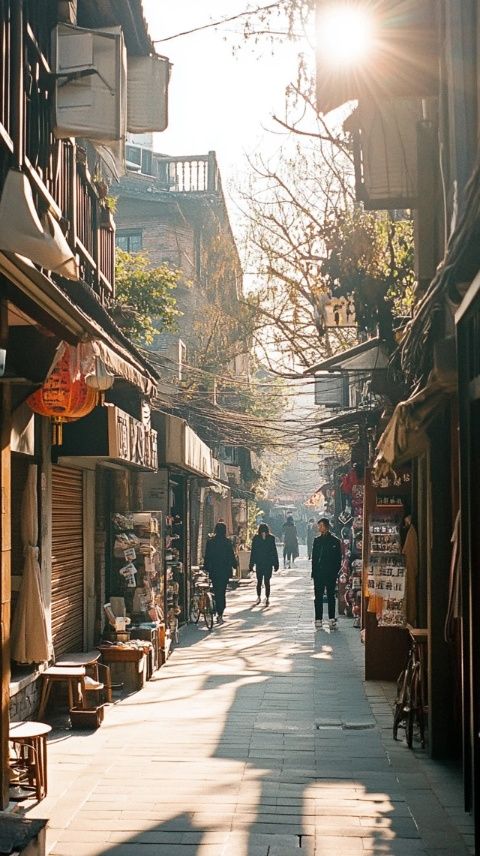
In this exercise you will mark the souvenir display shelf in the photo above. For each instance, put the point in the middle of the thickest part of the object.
(138, 577)
(386, 637)
(386, 570)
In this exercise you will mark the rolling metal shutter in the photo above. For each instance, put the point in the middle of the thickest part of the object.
(67, 560)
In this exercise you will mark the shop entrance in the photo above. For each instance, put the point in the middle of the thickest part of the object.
(67, 560)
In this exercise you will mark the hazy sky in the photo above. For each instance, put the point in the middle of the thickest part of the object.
(218, 99)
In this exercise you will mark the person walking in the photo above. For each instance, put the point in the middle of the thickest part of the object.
(290, 542)
(264, 558)
(312, 531)
(326, 563)
(219, 562)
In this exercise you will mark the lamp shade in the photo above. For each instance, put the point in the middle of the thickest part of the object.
(65, 395)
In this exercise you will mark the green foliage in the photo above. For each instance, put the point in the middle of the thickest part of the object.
(145, 301)
(370, 255)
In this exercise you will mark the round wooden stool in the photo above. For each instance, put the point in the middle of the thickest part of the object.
(30, 739)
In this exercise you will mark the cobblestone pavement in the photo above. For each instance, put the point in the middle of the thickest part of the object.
(258, 739)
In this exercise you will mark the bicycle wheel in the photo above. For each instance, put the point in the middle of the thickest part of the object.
(400, 701)
(194, 610)
(412, 706)
(416, 710)
(208, 612)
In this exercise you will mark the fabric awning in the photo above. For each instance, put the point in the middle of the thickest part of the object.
(405, 436)
(217, 487)
(123, 367)
(23, 231)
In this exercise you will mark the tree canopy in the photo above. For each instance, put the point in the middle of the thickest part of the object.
(145, 297)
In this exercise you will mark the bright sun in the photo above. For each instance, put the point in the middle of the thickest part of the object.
(345, 34)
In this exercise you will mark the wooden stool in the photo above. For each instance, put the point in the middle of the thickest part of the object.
(72, 676)
(98, 671)
(31, 740)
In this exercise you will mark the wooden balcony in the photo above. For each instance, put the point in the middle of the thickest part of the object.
(59, 177)
(189, 173)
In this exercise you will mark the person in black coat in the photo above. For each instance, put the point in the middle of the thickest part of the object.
(326, 563)
(219, 561)
(264, 558)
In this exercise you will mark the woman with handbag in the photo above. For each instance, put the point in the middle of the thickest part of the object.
(264, 558)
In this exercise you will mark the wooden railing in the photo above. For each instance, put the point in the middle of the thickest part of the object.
(190, 173)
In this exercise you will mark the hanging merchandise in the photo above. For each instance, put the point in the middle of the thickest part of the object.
(64, 396)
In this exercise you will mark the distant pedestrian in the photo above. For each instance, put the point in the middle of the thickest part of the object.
(219, 562)
(326, 563)
(312, 532)
(264, 558)
(290, 542)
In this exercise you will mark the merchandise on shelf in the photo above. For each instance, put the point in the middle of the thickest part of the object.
(386, 570)
(138, 571)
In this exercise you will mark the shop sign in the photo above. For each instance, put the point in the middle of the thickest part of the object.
(130, 440)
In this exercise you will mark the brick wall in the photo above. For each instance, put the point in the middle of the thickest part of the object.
(24, 703)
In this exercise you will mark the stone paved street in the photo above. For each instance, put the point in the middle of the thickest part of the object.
(259, 739)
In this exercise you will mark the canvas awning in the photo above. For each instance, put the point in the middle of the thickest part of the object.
(405, 436)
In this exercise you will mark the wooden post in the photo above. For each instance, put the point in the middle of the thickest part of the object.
(212, 172)
(5, 567)
(441, 728)
(16, 77)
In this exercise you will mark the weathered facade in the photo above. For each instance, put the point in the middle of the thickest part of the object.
(57, 282)
(415, 143)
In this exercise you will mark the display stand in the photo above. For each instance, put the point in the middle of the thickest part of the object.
(386, 636)
(137, 607)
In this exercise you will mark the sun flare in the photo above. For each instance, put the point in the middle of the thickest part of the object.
(345, 34)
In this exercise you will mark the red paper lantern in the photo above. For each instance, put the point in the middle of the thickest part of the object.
(64, 396)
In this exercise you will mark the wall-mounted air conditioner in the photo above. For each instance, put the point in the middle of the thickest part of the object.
(147, 85)
(90, 86)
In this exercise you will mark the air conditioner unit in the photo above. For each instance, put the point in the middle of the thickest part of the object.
(147, 85)
(90, 89)
(332, 389)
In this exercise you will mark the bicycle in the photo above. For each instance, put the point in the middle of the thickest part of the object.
(202, 601)
(409, 703)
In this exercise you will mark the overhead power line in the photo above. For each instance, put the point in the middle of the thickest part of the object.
(221, 21)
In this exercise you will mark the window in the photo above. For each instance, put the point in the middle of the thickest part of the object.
(130, 241)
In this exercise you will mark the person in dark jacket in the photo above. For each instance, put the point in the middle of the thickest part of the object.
(264, 558)
(219, 562)
(290, 542)
(326, 563)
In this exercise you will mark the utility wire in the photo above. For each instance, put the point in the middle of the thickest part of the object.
(221, 21)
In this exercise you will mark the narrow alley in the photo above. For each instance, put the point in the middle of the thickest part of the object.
(258, 739)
